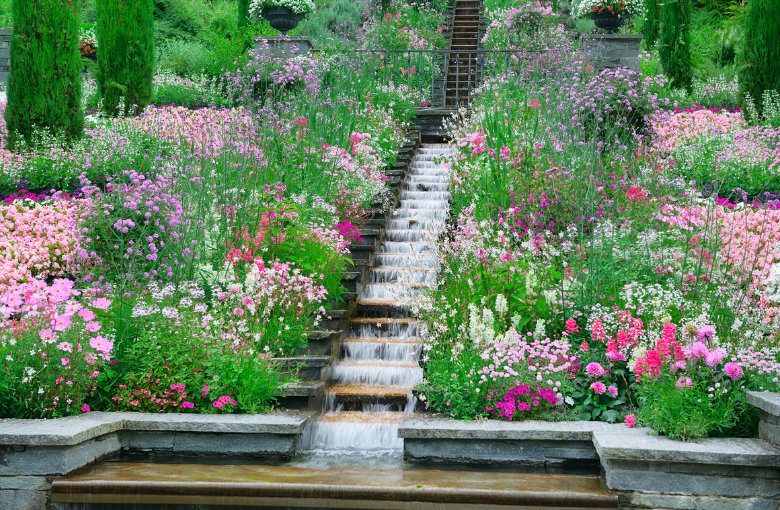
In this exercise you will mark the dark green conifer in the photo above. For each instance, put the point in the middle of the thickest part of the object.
(125, 32)
(44, 87)
(243, 13)
(652, 20)
(675, 42)
(760, 68)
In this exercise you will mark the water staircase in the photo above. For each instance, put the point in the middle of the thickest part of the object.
(378, 366)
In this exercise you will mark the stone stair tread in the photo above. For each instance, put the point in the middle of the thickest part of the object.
(378, 363)
(384, 339)
(366, 390)
(323, 334)
(385, 418)
(340, 487)
(384, 320)
(303, 389)
(305, 360)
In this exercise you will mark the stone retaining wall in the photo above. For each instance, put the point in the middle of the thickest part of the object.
(612, 51)
(33, 453)
(5, 56)
(645, 470)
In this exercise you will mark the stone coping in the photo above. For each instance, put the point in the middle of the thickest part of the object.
(765, 400)
(421, 427)
(281, 38)
(74, 430)
(611, 441)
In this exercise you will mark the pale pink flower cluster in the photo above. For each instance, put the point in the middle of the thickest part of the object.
(671, 130)
(36, 241)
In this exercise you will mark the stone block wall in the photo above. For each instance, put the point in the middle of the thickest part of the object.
(5, 56)
(612, 51)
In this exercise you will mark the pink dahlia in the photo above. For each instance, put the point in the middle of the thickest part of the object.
(595, 370)
(598, 387)
(733, 370)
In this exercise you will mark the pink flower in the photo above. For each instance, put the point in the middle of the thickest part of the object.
(714, 357)
(65, 361)
(93, 327)
(47, 335)
(523, 406)
(705, 333)
(65, 346)
(598, 387)
(61, 322)
(101, 303)
(101, 344)
(733, 370)
(571, 326)
(85, 408)
(595, 370)
(187, 405)
(613, 391)
(86, 314)
(684, 382)
(59, 380)
(630, 421)
(698, 350)
(90, 358)
(238, 312)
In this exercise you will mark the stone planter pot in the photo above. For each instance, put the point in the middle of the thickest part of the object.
(282, 18)
(607, 22)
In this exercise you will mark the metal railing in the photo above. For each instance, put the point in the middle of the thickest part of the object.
(439, 78)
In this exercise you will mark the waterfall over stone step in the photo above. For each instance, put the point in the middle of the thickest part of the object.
(378, 367)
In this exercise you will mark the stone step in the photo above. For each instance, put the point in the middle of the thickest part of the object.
(365, 394)
(308, 368)
(247, 485)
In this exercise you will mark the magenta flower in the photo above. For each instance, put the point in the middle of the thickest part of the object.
(187, 405)
(65, 361)
(598, 387)
(85, 408)
(613, 391)
(733, 370)
(630, 421)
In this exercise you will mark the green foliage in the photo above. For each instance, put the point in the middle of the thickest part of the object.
(183, 58)
(44, 89)
(125, 31)
(675, 42)
(334, 23)
(6, 20)
(651, 22)
(760, 70)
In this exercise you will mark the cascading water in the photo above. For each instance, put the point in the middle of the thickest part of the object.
(374, 378)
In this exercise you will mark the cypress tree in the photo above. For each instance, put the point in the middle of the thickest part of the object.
(760, 69)
(675, 39)
(44, 88)
(125, 32)
(652, 20)
(243, 13)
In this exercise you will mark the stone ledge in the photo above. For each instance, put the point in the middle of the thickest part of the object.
(421, 427)
(639, 445)
(75, 430)
(766, 401)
